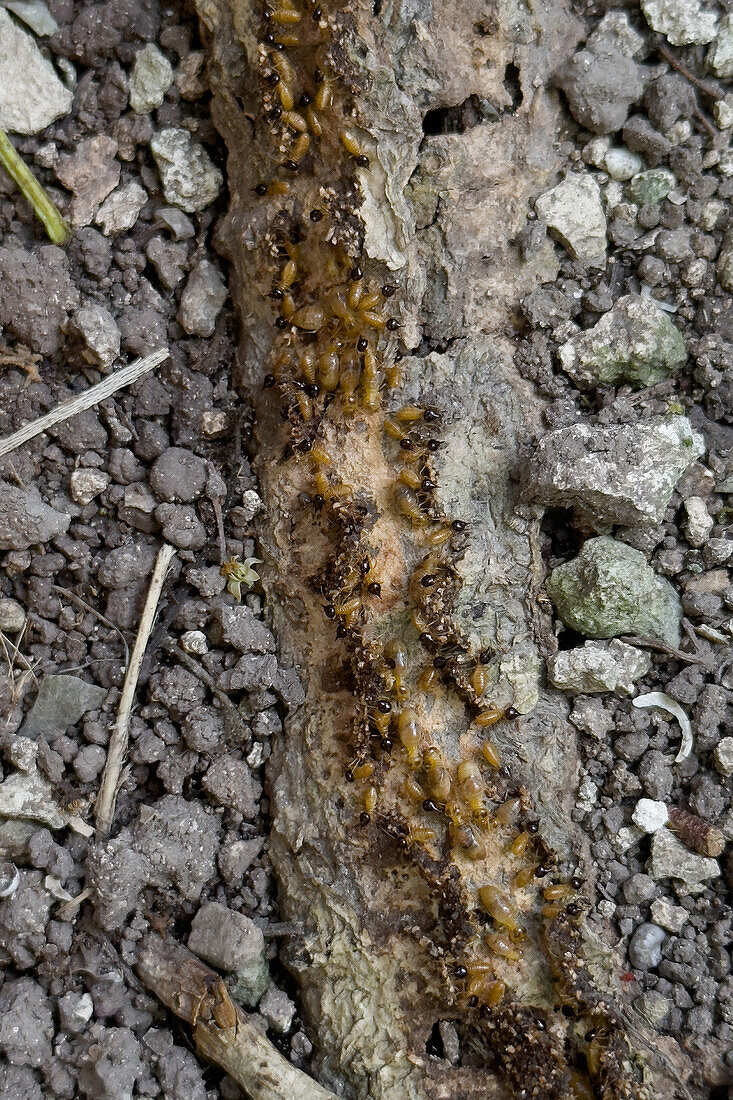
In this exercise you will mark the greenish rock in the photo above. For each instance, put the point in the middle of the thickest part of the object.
(648, 188)
(609, 589)
(634, 342)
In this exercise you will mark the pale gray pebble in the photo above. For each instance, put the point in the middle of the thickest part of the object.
(231, 783)
(645, 946)
(639, 888)
(699, 1020)
(207, 580)
(180, 1075)
(181, 527)
(169, 259)
(75, 1010)
(232, 942)
(177, 689)
(178, 476)
(278, 1010)
(300, 1047)
(47, 855)
(236, 859)
(202, 300)
(239, 628)
(656, 775)
(25, 519)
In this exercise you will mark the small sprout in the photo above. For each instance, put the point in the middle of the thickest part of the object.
(240, 573)
(57, 229)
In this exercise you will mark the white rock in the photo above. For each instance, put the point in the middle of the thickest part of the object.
(574, 214)
(214, 422)
(202, 299)
(86, 484)
(31, 94)
(598, 666)
(251, 504)
(35, 14)
(190, 179)
(723, 756)
(194, 641)
(587, 795)
(121, 210)
(723, 113)
(98, 329)
(683, 22)
(625, 838)
(649, 815)
(22, 752)
(12, 615)
(720, 54)
(622, 164)
(594, 152)
(699, 521)
(668, 915)
(615, 34)
(150, 79)
(671, 859)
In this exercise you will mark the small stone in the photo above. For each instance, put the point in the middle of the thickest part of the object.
(194, 641)
(725, 263)
(150, 79)
(649, 815)
(60, 703)
(615, 34)
(723, 113)
(671, 859)
(723, 756)
(214, 422)
(25, 520)
(202, 300)
(699, 521)
(239, 628)
(89, 762)
(600, 88)
(231, 783)
(234, 943)
(622, 164)
(653, 1006)
(12, 615)
(236, 859)
(86, 484)
(169, 260)
(121, 210)
(634, 342)
(98, 329)
(638, 889)
(181, 227)
(609, 590)
(189, 177)
(645, 946)
(720, 54)
(91, 172)
(668, 915)
(178, 475)
(595, 667)
(624, 474)
(574, 214)
(31, 94)
(181, 527)
(683, 22)
(278, 1010)
(649, 188)
(26, 1021)
(75, 1011)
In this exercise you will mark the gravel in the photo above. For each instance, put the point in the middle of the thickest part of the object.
(232, 942)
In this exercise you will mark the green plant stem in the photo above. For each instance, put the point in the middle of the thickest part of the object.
(57, 229)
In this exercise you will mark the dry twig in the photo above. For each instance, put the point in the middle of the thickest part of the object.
(105, 805)
(81, 401)
(222, 1033)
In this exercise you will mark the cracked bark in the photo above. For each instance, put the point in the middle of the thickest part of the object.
(439, 211)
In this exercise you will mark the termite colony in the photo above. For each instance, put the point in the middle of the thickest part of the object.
(336, 362)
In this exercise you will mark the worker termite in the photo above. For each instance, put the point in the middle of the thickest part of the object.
(354, 148)
(413, 789)
(464, 837)
(501, 945)
(410, 735)
(491, 754)
(470, 785)
(499, 906)
(408, 505)
(506, 813)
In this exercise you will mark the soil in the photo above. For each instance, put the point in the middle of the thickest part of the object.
(84, 508)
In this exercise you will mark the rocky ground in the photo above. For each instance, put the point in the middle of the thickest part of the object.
(631, 346)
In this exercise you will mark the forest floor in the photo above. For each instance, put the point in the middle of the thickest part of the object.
(135, 165)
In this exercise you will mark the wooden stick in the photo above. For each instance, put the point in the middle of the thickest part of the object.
(81, 401)
(222, 1032)
(105, 805)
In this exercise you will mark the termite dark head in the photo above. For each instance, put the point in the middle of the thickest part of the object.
(364, 566)
(505, 771)
(291, 165)
(274, 114)
(540, 1024)
(407, 445)
(356, 273)
(341, 631)
(388, 290)
(312, 389)
(281, 322)
(459, 525)
(473, 1002)
(433, 445)
(273, 78)
(532, 827)
(576, 882)
(460, 973)
(375, 588)
(318, 501)
(305, 100)
(542, 871)
(329, 611)
(430, 807)
(362, 344)
(386, 743)
(384, 706)
(305, 446)
(277, 294)
(349, 775)
(440, 662)
(430, 416)
(427, 485)
(316, 15)
(574, 909)
(269, 38)
(364, 818)
(268, 381)
(316, 215)
(261, 189)
(392, 324)
(511, 712)
(362, 161)
(425, 638)
(428, 580)
(485, 656)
